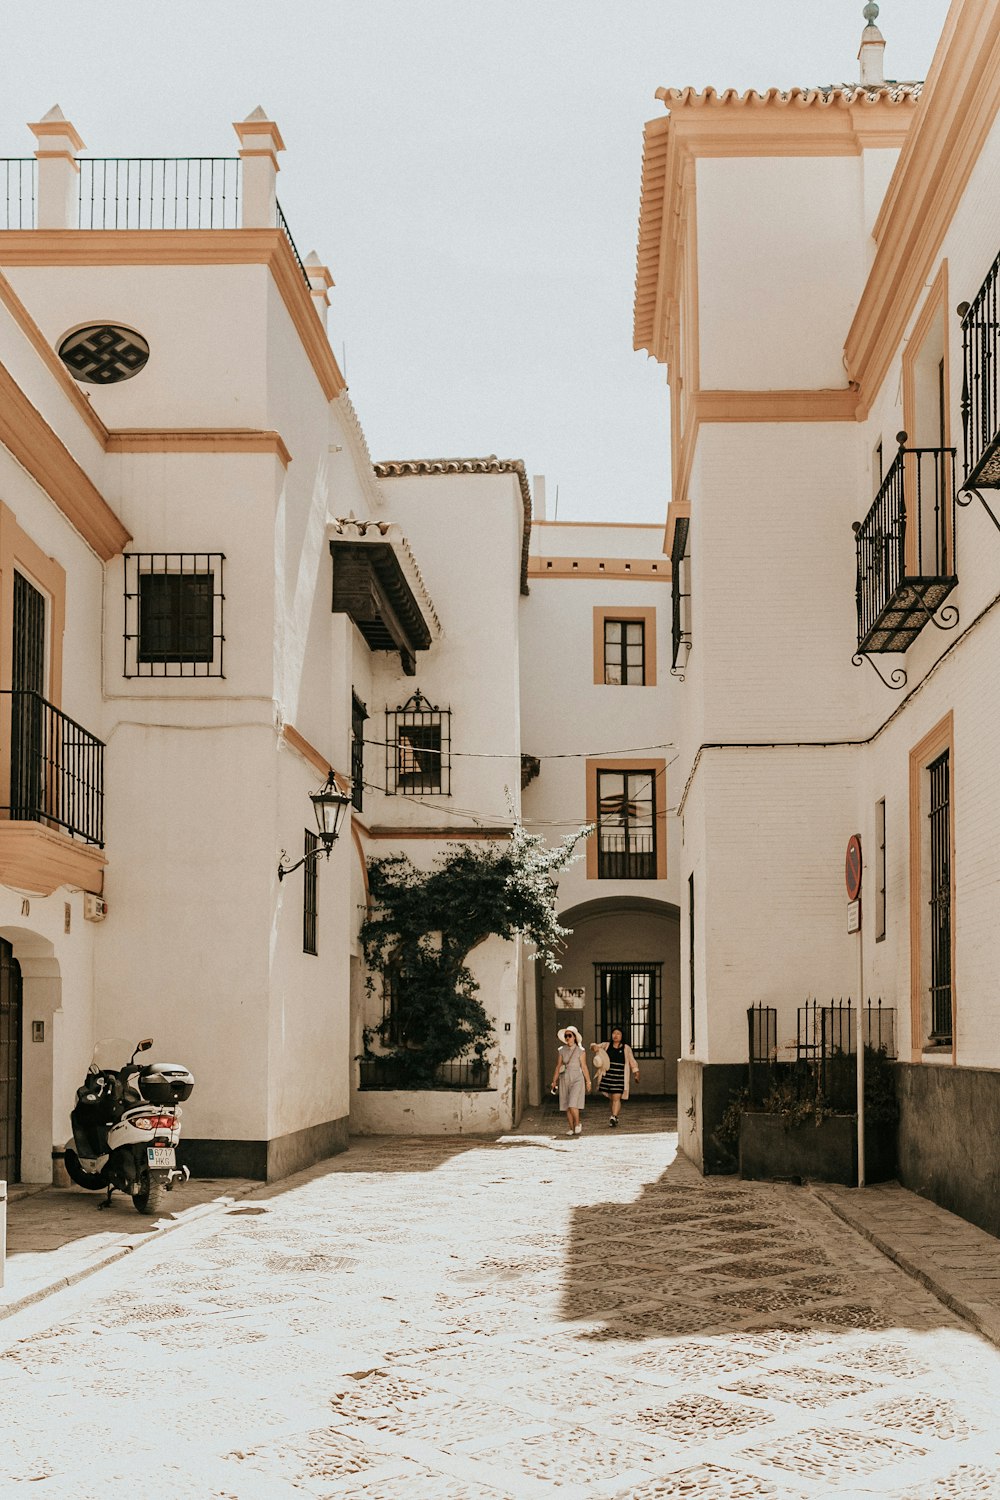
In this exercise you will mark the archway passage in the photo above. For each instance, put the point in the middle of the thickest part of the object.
(10, 1064)
(621, 966)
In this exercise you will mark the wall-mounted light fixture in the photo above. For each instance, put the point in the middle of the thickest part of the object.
(330, 804)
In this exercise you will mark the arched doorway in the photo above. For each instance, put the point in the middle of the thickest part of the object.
(11, 1015)
(624, 956)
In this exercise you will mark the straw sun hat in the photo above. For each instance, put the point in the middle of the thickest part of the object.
(564, 1035)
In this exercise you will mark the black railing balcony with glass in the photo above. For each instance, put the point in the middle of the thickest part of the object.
(906, 549)
(54, 767)
(981, 384)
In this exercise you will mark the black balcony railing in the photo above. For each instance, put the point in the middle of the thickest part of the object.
(56, 767)
(17, 192)
(626, 856)
(981, 385)
(906, 549)
(159, 192)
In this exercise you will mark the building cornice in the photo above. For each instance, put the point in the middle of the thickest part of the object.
(197, 440)
(959, 107)
(400, 468)
(620, 569)
(187, 247)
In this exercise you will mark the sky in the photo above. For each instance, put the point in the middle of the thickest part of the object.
(469, 170)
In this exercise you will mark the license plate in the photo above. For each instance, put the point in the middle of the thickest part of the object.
(160, 1156)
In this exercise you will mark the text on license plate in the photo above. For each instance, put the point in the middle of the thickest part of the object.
(160, 1156)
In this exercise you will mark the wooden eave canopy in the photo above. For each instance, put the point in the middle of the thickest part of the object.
(370, 586)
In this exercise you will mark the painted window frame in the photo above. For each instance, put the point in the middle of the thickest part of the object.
(625, 615)
(657, 768)
(938, 741)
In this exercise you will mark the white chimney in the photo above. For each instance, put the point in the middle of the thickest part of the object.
(538, 489)
(872, 53)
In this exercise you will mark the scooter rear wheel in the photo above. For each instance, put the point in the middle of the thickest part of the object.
(148, 1196)
(93, 1181)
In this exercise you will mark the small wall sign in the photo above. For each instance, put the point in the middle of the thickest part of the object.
(854, 916)
(38, 1031)
(570, 999)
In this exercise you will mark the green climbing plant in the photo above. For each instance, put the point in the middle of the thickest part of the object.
(422, 926)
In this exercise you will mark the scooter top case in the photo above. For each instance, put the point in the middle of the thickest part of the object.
(165, 1083)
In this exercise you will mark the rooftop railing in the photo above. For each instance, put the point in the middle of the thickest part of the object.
(159, 192)
(17, 192)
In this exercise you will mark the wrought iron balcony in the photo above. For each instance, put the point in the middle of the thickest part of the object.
(906, 550)
(981, 384)
(53, 771)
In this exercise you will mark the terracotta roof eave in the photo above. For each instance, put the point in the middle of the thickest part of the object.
(841, 96)
(402, 467)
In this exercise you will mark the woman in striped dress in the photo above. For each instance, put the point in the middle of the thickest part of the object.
(621, 1068)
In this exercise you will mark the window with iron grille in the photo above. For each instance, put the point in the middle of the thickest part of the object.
(418, 748)
(391, 1030)
(880, 871)
(626, 825)
(630, 996)
(310, 894)
(359, 714)
(939, 816)
(173, 614)
(625, 652)
(680, 595)
(691, 962)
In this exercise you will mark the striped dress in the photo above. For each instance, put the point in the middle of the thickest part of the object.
(613, 1081)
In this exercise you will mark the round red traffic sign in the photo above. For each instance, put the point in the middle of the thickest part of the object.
(853, 867)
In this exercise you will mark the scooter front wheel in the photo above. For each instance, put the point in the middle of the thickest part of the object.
(93, 1181)
(148, 1194)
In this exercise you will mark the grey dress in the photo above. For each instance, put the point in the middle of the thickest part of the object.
(572, 1085)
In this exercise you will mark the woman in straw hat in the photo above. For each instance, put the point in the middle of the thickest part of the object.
(572, 1077)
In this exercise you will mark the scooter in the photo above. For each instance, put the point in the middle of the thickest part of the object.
(126, 1126)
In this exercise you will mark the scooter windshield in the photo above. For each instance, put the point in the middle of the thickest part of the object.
(113, 1052)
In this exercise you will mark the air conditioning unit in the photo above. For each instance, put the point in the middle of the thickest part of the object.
(95, 908)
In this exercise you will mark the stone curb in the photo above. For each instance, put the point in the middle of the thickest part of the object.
(985, 1319)
(123, 1248)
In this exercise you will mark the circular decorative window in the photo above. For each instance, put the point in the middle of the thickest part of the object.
(103, 353)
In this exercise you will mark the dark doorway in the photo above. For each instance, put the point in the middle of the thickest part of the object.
(27, 703)
(10, 1065)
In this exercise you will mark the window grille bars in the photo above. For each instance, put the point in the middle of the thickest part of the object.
(630, 996)
(469, 1074)
(680, 564)
(418, 749)
(18, 177)
(159, 192)
(174, 629)
(56, 767)
(310, 893)
(359, 715)
(939, 817)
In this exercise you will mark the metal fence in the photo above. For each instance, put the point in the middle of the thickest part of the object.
(18, 177)
(283, 226)
(466, 1073)
(56, 767)
(824, 1065)
(159, 192)
(762, 1050)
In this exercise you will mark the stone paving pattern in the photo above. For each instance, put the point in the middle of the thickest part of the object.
(55, 1236)
(474, 1320)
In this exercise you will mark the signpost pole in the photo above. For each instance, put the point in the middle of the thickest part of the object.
(861, 1054)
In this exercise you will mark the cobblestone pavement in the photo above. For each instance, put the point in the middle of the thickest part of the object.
(472, 1320)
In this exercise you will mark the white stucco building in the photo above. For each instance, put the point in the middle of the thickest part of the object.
(802, 255)
(211, 601)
